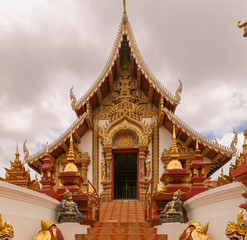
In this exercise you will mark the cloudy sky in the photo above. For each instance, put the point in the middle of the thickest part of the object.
(48, 46)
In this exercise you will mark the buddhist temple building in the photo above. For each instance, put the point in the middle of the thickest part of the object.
(128, 144)
(122, 136)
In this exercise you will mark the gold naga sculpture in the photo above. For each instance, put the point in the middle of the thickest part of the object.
(195, 231)
(49, 231)
(237, 230)
(244, 25)
(6, 230)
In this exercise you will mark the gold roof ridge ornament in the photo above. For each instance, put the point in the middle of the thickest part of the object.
(174, 163)
(25, 150)
(244, 25)
(71, 167)
(72, 98)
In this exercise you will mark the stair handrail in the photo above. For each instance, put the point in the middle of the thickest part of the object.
(149, 201)
(93, 206)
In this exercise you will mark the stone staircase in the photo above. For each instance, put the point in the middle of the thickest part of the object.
(123, 220)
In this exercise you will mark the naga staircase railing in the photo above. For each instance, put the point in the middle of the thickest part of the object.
(93, 206)
(149, 201)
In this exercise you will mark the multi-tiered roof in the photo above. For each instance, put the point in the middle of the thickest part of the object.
(157, 94)
(18, 175)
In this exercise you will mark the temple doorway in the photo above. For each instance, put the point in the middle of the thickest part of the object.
(125, 176)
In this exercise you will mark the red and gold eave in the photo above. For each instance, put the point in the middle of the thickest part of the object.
(217, 153)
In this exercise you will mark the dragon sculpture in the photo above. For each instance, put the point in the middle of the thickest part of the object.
(72, 98)
(179, 90)
(6, 230)
(245, 27)
(234, 142)
(195, 231)
(25, 150)
(49, 231)
(237, 231)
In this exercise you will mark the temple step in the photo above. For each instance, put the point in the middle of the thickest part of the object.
(121, 237)
(133, 230)
(122, 211)
(122, 225)
(122, 220)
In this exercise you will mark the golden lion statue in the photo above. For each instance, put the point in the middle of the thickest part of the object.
(195, 231)
(49, 231)
(237, 230)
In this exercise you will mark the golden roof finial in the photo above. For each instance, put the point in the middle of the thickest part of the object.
(197, 145)
(125, 18)
(71, 154)
(47, 147)
(174, 151)
(222, 172)
(71, 167)
(124, 5)
(17, 151)
(17, 155)
(174, 163)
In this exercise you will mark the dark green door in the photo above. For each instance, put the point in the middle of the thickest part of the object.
(125, 176)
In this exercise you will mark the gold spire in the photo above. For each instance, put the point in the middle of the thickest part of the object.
(222, 172)
(174, 163)
(125, 17)
(17, 151)
(174, 151)
(124, 5)
(47, 147)
(197, 145)
(71, 155)
(71, 167)
(17, 155)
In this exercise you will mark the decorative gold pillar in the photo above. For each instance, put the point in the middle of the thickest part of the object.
(85, 161)
(107, 182)
(155, 153)
(142, 159)
(95, 154)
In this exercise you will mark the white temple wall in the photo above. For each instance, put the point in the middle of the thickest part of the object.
(218, 206)
(165, 142)
(86, 146)
(24, 208)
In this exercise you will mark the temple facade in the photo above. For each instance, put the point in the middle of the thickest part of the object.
(127, 143)
(126, 131)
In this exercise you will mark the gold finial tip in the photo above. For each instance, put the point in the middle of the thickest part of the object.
(124, 5)
(174, 132)
(47, 147)
(17, 151)
(125, 18)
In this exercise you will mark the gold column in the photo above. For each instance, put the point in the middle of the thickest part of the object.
(95, 154)
(155, 153)
(142, 159)
(107, 183)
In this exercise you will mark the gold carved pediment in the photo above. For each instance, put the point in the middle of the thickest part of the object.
(125, 138)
